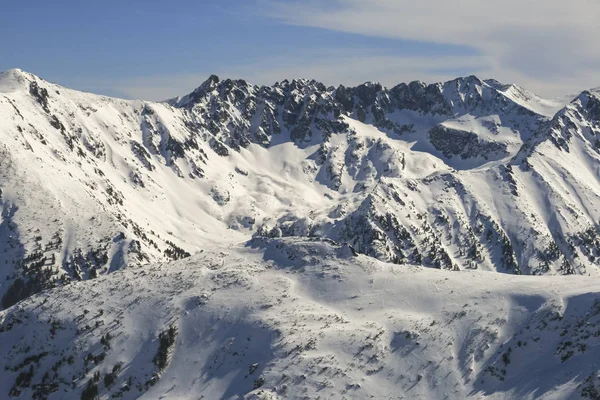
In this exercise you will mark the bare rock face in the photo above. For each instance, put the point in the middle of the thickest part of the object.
(220, 196)
(453, 142)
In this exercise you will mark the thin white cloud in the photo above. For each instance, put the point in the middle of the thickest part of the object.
(460, 22)
(545, 46)
(549, 46)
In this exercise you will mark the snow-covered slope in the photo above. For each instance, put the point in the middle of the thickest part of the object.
(299, 319)
(462, 174)
(280, 231)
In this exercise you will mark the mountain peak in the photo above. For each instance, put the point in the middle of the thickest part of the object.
(586, 94)
(371, 84)
(212, 80)
(498, 85)
(470, 80)
(13, 72)
(14, 79)
(208, 85)
(589, 100)
(473, 79)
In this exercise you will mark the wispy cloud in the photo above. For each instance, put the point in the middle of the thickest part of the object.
(548, 45)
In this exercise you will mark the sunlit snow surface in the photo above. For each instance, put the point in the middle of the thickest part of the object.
(309, 251)
(316, 322)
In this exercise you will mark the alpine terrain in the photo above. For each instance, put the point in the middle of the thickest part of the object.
(298, 241)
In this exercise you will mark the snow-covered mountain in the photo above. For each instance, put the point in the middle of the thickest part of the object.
(297, 318)
(466, 174)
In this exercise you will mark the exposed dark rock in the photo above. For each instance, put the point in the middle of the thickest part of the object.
(451, 142)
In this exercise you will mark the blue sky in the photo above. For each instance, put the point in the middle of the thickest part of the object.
(158, 49)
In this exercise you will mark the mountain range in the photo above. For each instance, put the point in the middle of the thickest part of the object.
(286, 241)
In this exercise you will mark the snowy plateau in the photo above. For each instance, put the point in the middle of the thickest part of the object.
(298, 241)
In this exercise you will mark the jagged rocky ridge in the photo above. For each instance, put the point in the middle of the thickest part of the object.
(455, 175)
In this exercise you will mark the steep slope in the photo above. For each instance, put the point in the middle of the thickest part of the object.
(298, 319)
(91, 184)
(76, 194)
(425, 174)
(560, 166)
